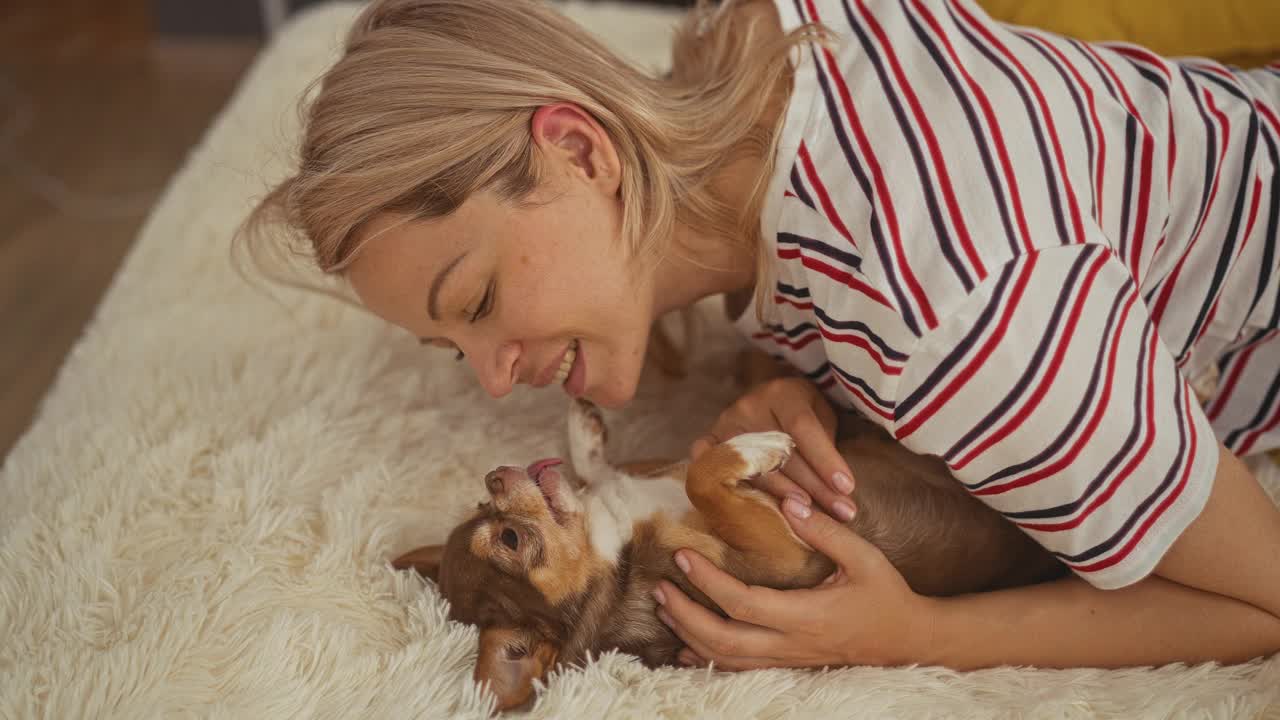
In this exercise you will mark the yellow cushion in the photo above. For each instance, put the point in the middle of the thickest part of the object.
(1239, 32)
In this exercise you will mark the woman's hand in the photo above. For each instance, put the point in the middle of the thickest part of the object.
(863, 614)
(794, 406)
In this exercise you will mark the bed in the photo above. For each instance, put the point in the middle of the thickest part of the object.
(199, 522)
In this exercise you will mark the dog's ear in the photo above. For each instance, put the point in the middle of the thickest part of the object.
(426, 560)
(510, 659)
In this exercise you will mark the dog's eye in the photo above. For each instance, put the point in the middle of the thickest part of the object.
(515, 652)
(510, 539)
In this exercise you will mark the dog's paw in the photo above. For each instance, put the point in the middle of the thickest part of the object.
(762, 452)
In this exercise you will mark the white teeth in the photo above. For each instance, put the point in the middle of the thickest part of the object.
(567, 363)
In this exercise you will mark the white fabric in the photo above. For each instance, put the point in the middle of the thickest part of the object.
(199, 521)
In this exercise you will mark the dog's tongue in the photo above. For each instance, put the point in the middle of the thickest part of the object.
(536, 469)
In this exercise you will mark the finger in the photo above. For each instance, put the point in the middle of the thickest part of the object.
(700, 654)
(814, 443)
(846, 548)
(801, 473)
(690, 658)
(781, 486)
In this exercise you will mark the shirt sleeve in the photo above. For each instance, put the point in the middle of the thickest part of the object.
(1052, 398)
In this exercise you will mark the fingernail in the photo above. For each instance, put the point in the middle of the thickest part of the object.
(800, 498)
(843, 482)
(844, 510)
(682, 563)
(657, 595)
(799, 510)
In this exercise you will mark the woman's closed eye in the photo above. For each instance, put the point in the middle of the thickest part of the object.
(486, 303)
(442, 343)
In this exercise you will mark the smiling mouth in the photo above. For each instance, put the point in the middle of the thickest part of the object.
(566, 364)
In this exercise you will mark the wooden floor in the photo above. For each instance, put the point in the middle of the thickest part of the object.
(92, 126)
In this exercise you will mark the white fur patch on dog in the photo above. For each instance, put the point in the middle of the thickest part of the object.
(763, 452)
(201, 520)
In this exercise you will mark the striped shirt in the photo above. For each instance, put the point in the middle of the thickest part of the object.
(1015, 251)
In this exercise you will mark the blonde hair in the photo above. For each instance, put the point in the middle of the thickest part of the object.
(431, 101)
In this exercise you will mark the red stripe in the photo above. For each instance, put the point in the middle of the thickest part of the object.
(976, 362)
(1143, 55)
(1144, 184)
(1090, 427)
(1213, 309)
(1256, 435)
(992, 124)
(788, 193)
(1271, 118)
(931, 140)
(1064, 340)
(841, 276)
(1147, 441)
(1167, 285)
(862, 342)
(1101, 158)
(886, 414)
(794, 343)
(1076, 222)
(824, 199)
(1160, 509)
(779, 299)
(882, 195)
(1233, 377)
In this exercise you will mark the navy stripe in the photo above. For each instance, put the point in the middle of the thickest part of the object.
(1130, 148)
(941, 234)
(1271, 234)
(797, 187)
(1210, 155)
(1227, 253)
(864, 387)
(851, 158)
(1166, 484)
(971, 115)
(1050, 175)
(1086, 126)
(963, 347)
(1135, 429)
(1073, 425)
(863, 329)
(1037, 356)
(807, 243)
(792, 291)
(1259, 418)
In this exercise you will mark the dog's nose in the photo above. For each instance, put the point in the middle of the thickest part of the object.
(500, 479)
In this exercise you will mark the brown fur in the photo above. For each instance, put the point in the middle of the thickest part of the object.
(557, 602)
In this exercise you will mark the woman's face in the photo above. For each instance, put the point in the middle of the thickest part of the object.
(522, 291)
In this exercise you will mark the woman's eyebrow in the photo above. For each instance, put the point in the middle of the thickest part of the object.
(434, 295)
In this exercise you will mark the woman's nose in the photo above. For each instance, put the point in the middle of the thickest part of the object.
(496, 369)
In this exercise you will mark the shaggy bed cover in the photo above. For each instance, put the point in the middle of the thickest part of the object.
(199, 522)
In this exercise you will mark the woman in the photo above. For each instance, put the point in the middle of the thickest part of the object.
(1010, 249)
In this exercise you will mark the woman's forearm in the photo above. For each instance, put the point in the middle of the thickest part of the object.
(1069, 623)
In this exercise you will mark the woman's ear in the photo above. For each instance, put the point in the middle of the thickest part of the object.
(425, 560)
(568, 134)
(510, 659)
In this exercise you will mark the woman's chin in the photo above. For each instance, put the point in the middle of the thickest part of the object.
(613, 396)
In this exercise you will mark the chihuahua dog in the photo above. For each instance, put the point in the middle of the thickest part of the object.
(560, 562)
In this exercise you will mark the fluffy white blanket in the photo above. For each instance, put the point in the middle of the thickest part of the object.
(200, 520)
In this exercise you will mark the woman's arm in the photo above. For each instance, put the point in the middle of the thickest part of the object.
(1215, 596)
